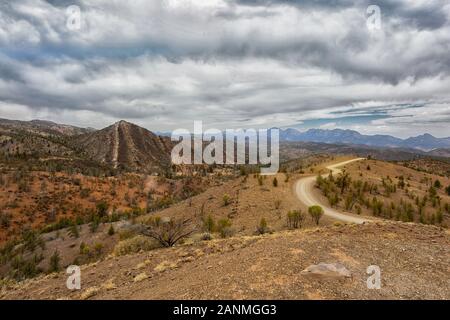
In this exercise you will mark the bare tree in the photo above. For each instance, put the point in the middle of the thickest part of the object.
(168, 231)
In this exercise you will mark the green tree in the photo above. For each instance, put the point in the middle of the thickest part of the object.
(316, 213)
(295, 219)
(437, 184)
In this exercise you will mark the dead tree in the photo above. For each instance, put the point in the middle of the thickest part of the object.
(168, 231)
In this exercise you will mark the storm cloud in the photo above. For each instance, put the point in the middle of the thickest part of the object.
(259, 63)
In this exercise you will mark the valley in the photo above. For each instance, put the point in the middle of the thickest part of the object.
(111, 202)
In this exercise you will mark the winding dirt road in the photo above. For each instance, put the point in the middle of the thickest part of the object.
(304, 189)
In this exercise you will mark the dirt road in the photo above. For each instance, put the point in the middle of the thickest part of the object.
(304, 190)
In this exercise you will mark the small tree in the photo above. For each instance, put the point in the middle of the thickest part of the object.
(168, 231)
(295, 219)
(437, 184)
(54, 262)
(316, 213)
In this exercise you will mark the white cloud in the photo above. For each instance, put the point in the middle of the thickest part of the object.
(166, 63)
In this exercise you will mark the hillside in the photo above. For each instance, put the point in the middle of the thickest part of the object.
(268, 267)
(391, 191)
(128, 146)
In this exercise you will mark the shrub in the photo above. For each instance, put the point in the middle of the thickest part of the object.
(275, 182)
(262, 228)
(102, 209)
(295, 219)
(84, 249)
(168, 231)
(224, 227)
(93, 226)
(22, 269)
(134, 245)
(209, 224)
(316, 213)
(206, 236)
(73, 231)
(5, 220)
(98, 248)
(447, 190)
(437, 184)
(55, 259)
(111, 230)
(226, 199)
(32, 240)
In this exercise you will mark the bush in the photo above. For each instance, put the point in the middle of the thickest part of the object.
(55, 259)
(168, 231)
(226, 199)
(206, 236)
(209, 224)
(93, 226)
(224, 227)
(262, 228)
(275, 182)
(102, 209)
(111, 230)
(316, 213)
(73, 231)
(134, 245)
(22, 269)
(447, 190)
(5, 220)
(84, 249)
(295, 219)
(437, 184)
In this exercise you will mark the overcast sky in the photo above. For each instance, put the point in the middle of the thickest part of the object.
(231, 63)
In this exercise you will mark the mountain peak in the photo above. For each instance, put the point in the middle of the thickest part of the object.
(126, 145)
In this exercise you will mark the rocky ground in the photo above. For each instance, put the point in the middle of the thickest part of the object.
(414, 260)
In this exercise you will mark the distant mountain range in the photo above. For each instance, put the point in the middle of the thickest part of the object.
(126, 146)
(425, 142)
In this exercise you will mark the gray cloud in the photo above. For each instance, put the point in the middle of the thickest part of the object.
(165, 63)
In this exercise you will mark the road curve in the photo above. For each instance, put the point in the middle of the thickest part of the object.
(304, 190)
